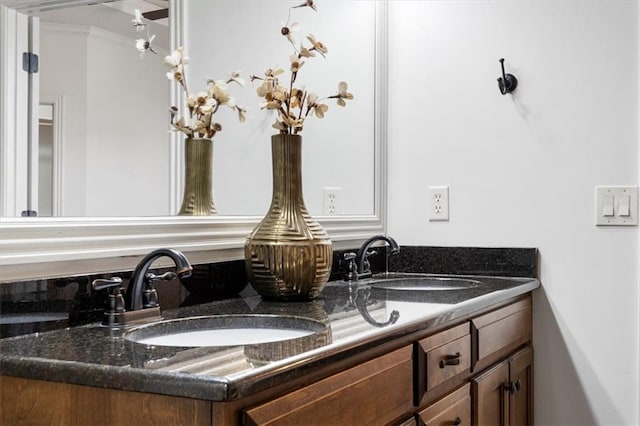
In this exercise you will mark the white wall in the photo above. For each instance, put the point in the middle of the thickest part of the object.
(63, 57)
(522, 171)
(115, 143)
(338, 149)
(128, 128)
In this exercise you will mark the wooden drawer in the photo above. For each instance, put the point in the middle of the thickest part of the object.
(453, 409)
(409, 422)
(376, 392)
(443, 361)
(495, 334)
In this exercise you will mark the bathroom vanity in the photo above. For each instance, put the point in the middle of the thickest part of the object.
(380, 355)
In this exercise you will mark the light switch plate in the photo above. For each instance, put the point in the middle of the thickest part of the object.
(603, 211)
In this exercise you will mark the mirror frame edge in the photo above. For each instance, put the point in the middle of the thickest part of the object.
(37, 248)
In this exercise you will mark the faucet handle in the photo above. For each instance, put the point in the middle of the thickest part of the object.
(167, 276)
(149, 294)
(114, 287)
(365, 261)
(352, 268)
(112, 284)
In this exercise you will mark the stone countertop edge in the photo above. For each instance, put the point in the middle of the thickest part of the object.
(217, 388)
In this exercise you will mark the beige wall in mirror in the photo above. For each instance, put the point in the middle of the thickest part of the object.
(107, 150)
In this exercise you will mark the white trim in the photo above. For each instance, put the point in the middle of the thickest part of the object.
(33, 133)
(95, 32)
(176, 150)
(30, 6)
(381, 111)
(56, 100)
(49, 247)
(7, 112)
(21, 150)
(13, 113)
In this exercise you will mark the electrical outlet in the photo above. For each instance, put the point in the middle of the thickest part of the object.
(332, 200)
(438, 203)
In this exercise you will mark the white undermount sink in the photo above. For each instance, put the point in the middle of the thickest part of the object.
(418, 283)
(225, 330)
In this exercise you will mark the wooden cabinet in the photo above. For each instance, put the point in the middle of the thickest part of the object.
(474, 372)
(492, 352)
(477, 371)
(502, 395)
(496, 334)
(453, 409)
(37, 402)
(376, 392)
(521, 376)
(441, 361)
(409, 422)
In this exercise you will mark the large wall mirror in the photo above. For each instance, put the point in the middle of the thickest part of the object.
(110, 172)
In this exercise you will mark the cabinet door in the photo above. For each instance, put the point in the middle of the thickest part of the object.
(503, 395)
(491, 396)
(521, 398)
(376, 392)
(453, 409)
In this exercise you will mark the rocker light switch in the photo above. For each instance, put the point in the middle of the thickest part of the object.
(623, 206)
(616, 205)
(607, 205)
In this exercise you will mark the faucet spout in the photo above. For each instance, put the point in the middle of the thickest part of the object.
(133, 296)
(362, 303)
(364, 270)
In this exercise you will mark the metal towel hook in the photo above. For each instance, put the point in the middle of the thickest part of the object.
(508, 82)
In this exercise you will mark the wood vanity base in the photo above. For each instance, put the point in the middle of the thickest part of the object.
(36, 402)
(477, 370)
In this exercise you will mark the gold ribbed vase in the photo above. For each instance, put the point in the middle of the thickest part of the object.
(197, 199)
(288, 255)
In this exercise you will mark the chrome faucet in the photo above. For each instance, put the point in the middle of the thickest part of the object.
(140, 303)
(364, 268)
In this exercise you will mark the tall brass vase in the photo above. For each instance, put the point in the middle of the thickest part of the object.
(288, 255)
(198, 196)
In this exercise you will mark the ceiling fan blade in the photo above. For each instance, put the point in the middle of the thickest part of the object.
(156, 14)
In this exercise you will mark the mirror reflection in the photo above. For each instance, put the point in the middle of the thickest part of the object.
(338, 150)
(111, 154)
(104, 142)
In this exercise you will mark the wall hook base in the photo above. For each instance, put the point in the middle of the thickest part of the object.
(508, 82)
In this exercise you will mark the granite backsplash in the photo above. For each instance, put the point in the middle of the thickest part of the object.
(41, 305)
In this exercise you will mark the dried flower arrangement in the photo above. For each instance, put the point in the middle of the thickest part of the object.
(202, 105)
(292, 104)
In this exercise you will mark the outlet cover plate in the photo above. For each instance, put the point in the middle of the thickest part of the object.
(438, 203)
(332, 200)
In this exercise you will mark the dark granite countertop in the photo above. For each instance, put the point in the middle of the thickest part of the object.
(350, 318)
